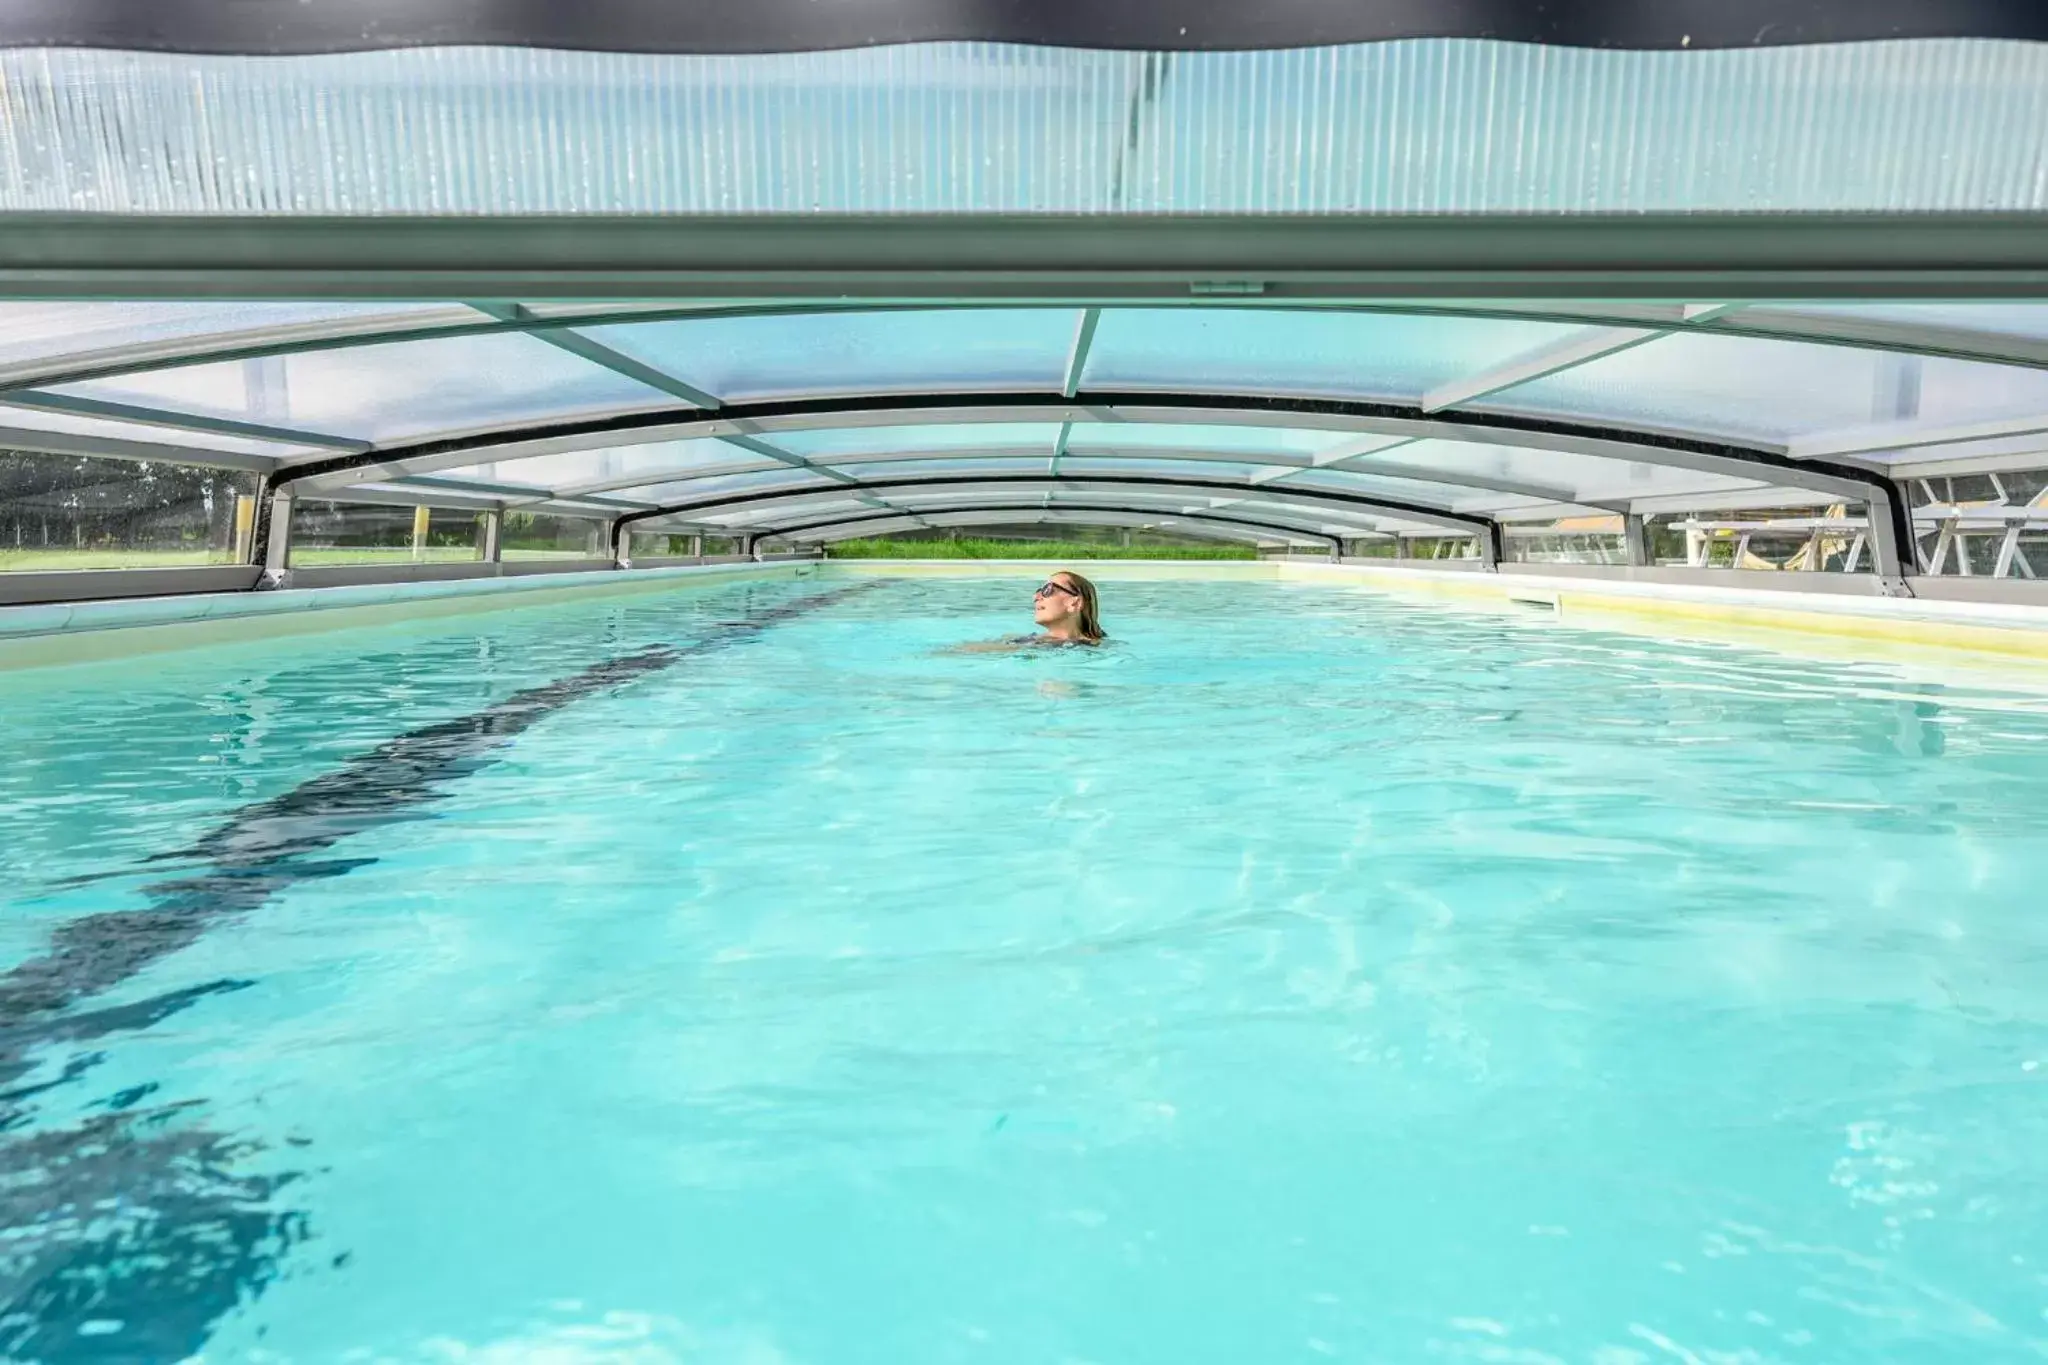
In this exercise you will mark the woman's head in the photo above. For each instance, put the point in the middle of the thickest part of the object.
(1066, 606)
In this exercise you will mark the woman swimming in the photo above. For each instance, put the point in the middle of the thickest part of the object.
(1067, 613)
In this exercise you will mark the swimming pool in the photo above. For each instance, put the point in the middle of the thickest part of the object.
(724, 975)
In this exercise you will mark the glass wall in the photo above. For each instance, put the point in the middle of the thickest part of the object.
(365, 533)
(62, 512)
(540, 535)
(1589, 540)
(679, 545)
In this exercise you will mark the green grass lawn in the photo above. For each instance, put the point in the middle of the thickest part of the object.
(64, 560)
(976, 548)
(380, 554)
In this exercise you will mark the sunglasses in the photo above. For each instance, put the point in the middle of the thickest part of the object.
(1049, 588)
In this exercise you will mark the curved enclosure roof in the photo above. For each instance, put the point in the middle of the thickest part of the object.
(806, 421)
(873, 269)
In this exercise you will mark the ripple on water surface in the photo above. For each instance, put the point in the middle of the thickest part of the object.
(734, 975)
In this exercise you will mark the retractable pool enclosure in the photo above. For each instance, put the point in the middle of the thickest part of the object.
(432, 296)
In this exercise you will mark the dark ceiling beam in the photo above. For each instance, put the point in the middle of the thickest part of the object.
(1101, 259)
(784, 26)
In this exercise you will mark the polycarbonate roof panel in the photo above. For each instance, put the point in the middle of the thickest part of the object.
(40, 336)
(1573, 477)
(1158, 458)
(941, 468)
(690, 490)
(199, 443)
(1748, 389)
(1426, 492)
(828, 444)
(576, 468)
(912, 351)
(2028, 320)
(392, 391)
(1335, 354)
(1085, 466)
(1170, 436)
(1394, 127)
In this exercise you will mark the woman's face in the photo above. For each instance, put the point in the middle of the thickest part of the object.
(1056, 602)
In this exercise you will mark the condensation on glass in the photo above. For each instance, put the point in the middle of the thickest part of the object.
(338, 533)
(77, 512)
(540, 535)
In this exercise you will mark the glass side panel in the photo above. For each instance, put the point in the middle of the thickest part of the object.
(1750, 389)
(1331, 354)
(911, 351)
(542, 535)
(328, 533)
(393, 391)
(679, 544)
(60, 512)
(34, 335)
(579, 468)
(199, 442)
(825, 444)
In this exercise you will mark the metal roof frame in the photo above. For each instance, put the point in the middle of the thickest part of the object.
(1825, 477)
(1101, 259)
(1485, 529)
(800, 532)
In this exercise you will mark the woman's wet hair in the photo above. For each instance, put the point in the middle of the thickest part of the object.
(1091, 620)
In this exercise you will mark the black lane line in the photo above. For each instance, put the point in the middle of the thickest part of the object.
(263, 848)
(131, 1216)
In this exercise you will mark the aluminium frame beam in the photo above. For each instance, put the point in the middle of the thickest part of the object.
(44, 442)
(137, 414)
(595, 352)
(1102, 258)
(1568, 352)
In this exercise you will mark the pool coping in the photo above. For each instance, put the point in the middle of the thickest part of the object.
(58, 633)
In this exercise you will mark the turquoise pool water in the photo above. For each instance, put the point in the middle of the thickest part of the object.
(727, 976)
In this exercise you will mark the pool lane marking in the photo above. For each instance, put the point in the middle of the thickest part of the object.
(263, 848)
(196, 1238)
